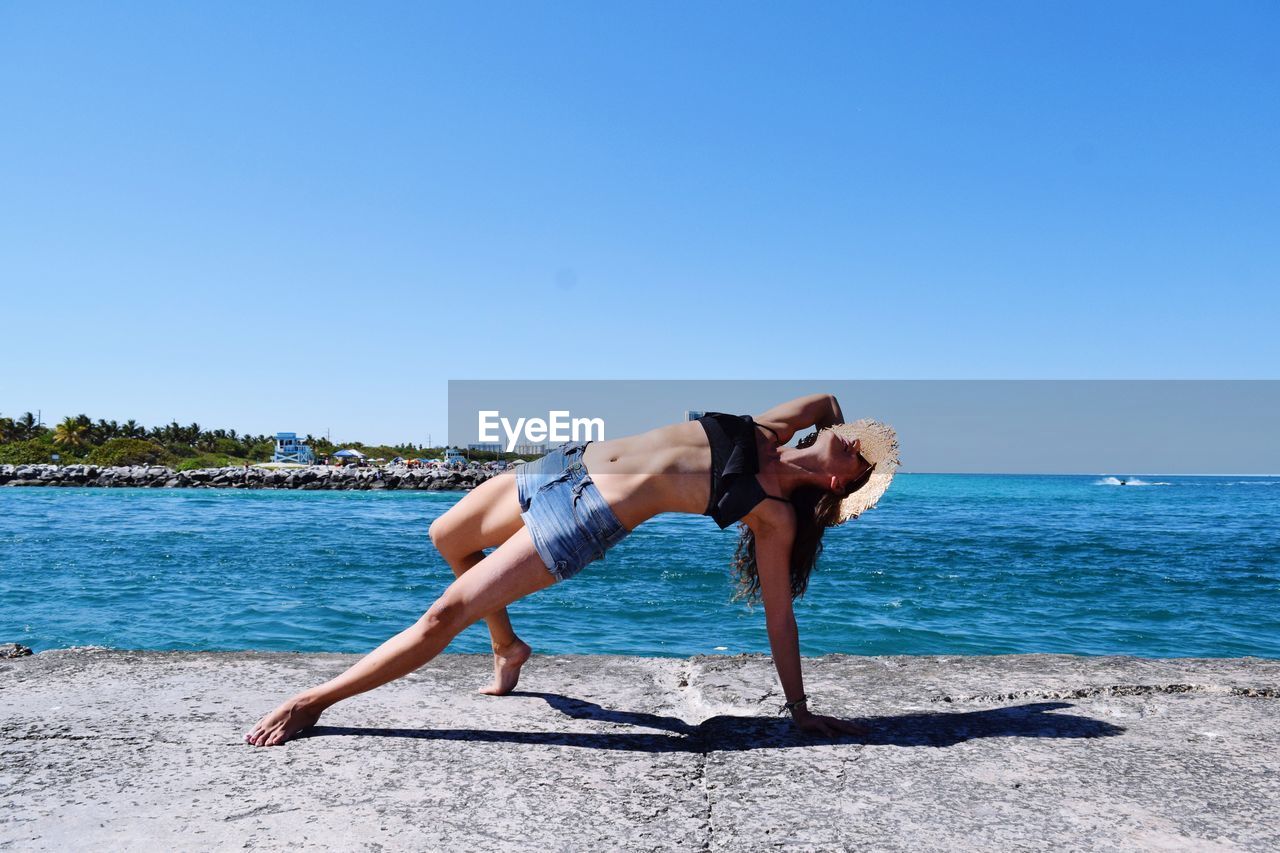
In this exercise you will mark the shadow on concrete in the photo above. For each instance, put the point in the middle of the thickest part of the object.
(733, 733)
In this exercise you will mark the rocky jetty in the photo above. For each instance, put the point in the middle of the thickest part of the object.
(314, 477)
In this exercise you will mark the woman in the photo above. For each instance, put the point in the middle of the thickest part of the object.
(553, 517)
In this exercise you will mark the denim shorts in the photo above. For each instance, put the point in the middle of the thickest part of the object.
(570, 522)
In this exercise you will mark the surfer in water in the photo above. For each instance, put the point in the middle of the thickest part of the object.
(559, 513)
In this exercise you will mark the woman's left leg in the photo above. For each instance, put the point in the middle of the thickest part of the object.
(511, 572)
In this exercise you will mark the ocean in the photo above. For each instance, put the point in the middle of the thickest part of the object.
(947, 564)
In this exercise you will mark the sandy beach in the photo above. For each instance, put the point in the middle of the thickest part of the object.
(1018, 752)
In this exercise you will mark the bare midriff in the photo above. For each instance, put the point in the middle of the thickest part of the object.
(667, 469)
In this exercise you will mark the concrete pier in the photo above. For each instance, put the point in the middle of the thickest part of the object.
(144, 750)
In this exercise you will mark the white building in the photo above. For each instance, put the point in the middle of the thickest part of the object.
(290, 448)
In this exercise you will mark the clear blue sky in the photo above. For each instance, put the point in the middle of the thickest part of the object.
(309, 216)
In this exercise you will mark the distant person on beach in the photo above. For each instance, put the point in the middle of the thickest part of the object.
(566, 509)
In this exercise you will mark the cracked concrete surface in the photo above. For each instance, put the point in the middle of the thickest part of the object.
(1017, 752)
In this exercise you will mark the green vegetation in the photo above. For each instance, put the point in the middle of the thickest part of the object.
(207, 460)
(25, 452)
(127, 451)
(81, 439)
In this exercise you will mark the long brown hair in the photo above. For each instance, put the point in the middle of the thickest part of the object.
(816, 510)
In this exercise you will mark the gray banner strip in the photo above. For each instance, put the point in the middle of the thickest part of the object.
(963, 426)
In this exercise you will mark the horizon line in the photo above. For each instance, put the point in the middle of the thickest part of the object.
(1069, 474)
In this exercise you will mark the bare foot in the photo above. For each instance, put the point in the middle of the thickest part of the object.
(284, 722)
(506, 668)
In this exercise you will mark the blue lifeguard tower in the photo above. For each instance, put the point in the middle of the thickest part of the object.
(290, 448)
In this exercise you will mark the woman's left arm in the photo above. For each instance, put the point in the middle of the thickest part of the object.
(816, 410)
(773, 561)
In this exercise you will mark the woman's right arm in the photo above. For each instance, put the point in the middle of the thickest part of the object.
(773, 567)
(774, 532)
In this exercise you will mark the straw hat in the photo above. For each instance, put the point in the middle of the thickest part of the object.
(880, 448)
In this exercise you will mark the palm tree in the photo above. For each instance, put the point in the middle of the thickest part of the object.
(27, 423)
(70, 432)
(9, 430)
(88, 434)
(132, 429)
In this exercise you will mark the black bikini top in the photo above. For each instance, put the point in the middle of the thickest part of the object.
(735, 491)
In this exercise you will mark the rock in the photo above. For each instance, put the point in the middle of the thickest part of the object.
(13, 650)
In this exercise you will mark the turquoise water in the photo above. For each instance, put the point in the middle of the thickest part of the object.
(948, 564)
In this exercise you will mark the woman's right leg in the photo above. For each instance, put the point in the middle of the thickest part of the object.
(486, 517)
(511, 572)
